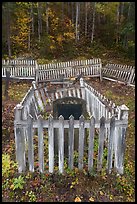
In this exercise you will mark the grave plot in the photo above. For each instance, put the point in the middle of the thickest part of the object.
(110, 120)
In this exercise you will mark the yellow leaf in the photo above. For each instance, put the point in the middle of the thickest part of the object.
(101, 193)
(110, 197)
(12, 186)
(77, 199)
(91, 199)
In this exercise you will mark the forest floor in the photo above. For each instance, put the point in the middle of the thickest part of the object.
(72, 185)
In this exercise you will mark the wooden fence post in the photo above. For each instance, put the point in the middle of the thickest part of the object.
(82, 88)
(101, 143)
(37, 94)
(36, 72)
(40, 144)
(19, 138)
(71, 142)
(119, 140)
(110, 144)
(61, 144)
(91, 143)
(100, 70)
(30, 144)
(81, 141)
(51, 144)
(7, 84)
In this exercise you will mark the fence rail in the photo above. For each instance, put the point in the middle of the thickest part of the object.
(70, 64)
(18, 62)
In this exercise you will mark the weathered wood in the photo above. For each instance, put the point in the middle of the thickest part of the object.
(71, 142)
(19, 139)
(61, 144)
(37, 94)
(30, 144)
(7, 84)
(51, 144)
(91, 143)
(81, 142)
(101, 143)
(110, 144)
(119, 142)
(120, 73)
(130, 78)
(40, 144)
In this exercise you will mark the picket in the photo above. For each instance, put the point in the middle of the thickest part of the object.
(71, 142)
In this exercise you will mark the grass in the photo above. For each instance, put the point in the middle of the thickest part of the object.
(73, 185)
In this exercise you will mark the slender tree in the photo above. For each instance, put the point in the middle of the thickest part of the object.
(47, 18)
(86, 18)
(118, 23)
(8, 29)
(39, 21)
(72, 9)
(32, 18)
(93, 23)
(77, 21)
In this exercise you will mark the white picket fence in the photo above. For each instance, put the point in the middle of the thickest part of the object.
(24, 137)
(24, 69)
(38, 98)
(29, 69)
(112, 127)
(97, 104)
(89, 68)
(122, 73)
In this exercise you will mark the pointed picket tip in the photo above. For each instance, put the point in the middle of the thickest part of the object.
(18, 106)
(61, 117)
(40, 117)
(30, 116)
(92, 118)
(71, 117)
(81, 117)
(50, 117)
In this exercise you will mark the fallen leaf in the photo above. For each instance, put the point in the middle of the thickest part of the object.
(91, 199)
(110, 197)
(77, 199)
(101, 193)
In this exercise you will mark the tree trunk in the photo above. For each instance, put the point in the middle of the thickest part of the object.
(72, 5)
(8, 29)
(93, 23)
(118, 21)
(47, 18)
(128, 20)
(122, 9)
(39, 22)
(77, 21)
(32, 17)
(86, 18)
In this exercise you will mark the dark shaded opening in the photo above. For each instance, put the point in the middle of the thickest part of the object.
(66, 110)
